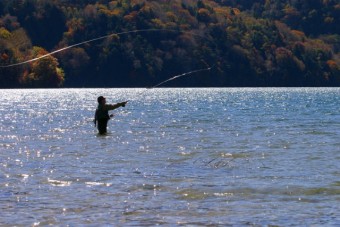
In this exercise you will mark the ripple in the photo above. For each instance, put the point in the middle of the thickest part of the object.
(91, 184)
(237, 156)
(59, 183)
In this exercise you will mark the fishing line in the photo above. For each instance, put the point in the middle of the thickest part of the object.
(118, 34)
(96, 39)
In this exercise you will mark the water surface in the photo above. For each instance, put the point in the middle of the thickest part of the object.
(249, 156)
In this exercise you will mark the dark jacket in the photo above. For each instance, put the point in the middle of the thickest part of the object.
(102, 111)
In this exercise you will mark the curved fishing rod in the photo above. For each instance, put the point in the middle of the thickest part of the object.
(183, 74)
(176, 77)
(167, 80)
(96, 39)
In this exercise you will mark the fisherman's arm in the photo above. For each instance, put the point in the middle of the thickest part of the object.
(115, 106)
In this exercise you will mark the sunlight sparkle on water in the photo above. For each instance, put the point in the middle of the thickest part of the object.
(222, 156)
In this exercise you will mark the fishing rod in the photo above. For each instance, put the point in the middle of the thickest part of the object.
(165, 81)
(181, 75)
(96, 39)
(176, 77)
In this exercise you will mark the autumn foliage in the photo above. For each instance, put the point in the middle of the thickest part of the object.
(250, 43)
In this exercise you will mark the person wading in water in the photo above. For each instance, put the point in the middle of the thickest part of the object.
(102, 114)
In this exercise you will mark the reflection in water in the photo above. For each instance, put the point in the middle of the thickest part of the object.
(172, 156)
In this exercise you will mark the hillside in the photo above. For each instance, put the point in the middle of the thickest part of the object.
(249, 43)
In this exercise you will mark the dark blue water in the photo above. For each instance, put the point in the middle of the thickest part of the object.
(249, 157)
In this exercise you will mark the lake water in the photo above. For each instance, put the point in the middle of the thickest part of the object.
(244, 157)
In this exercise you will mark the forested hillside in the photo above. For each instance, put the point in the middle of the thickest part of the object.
(248, 43)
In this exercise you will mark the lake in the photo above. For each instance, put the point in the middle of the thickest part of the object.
(184, 156)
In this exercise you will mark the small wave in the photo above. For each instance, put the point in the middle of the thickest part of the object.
(90, 184)
(59, 183)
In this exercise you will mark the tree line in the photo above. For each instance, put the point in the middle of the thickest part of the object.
(249, 43)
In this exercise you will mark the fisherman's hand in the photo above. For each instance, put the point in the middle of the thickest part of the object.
(123, 104)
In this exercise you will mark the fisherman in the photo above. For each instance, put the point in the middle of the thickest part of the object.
(102, 114)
